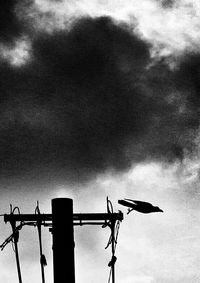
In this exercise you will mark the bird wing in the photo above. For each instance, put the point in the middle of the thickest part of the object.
(126, 203)
(138, 202)
(140, 206)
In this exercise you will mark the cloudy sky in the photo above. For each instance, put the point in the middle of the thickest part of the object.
(101, 98)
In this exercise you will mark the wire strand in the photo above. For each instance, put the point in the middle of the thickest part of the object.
(109, 275)
(15, 239)
(114, 226)
(42, 256)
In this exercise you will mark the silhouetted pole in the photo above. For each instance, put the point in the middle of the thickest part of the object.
(63, 240)
(62, 221)
(113, 250)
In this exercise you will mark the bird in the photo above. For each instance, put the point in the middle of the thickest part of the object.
(140, 206)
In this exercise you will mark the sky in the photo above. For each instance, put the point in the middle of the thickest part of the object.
(101, 98)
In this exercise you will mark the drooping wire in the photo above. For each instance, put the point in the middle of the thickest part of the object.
(43, 261)
(113, 241)
(113, 236)
(15, 239)
(109, 277)
(116, 232)
(114, 226)
(10, 238)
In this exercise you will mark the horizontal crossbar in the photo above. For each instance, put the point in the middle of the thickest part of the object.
(76, 217)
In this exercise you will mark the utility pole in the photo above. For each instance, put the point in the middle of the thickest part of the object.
(61, 223)
(63, 240)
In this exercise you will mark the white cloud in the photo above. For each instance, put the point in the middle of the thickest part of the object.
(18, 54)
(139, 279)
(161, 247)
(170, 30)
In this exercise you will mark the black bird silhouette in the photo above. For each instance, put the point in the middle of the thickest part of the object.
(140, 206)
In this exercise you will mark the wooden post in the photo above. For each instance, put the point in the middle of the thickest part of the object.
(63, 240)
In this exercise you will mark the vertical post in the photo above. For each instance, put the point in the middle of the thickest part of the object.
(113, 250)
(63, 240)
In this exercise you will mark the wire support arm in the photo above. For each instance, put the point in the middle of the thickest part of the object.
(76, 217)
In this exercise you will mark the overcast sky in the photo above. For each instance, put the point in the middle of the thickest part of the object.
(101, 98)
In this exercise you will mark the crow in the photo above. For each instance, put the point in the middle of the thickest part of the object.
(140, 206)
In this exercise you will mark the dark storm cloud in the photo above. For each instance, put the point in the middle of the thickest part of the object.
(187, 77)
(88, 101)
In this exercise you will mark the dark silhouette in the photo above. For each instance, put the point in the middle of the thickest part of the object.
(140, 206)
(62, 221)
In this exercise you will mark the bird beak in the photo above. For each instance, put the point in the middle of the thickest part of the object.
(160, 210)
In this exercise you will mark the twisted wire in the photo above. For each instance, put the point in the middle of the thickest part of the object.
(42, 256)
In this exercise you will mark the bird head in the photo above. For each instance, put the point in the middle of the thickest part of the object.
(157, 209)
